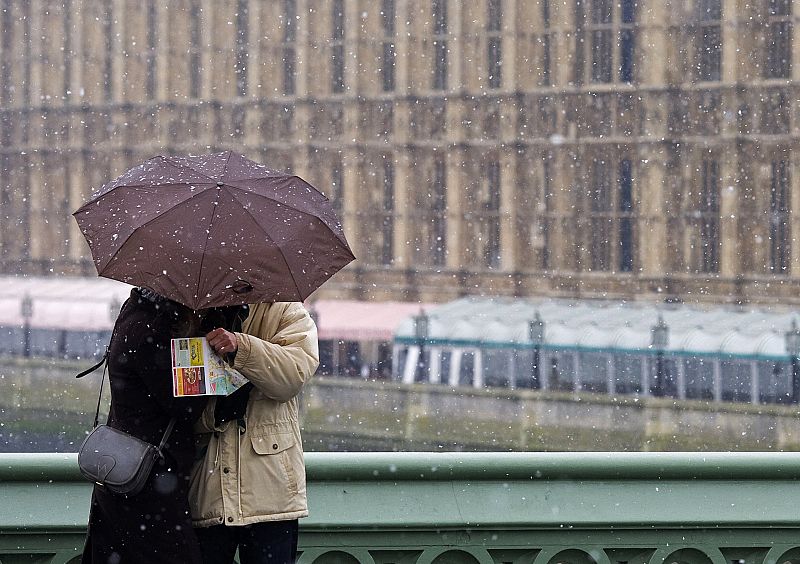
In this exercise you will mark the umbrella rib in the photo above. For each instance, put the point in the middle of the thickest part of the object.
(263, 177)
(225, 168)
(208, 236)
(97, 197)
(168, 159)
(145, 224)
(205, 244)
(295, 208)
(186, 166)
(288, 268)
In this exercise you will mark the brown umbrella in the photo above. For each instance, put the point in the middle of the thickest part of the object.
(214, 230)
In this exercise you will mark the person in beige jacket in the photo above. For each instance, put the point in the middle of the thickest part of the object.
(248, 486)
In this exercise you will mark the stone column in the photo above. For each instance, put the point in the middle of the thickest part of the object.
(52, 36)
(23, 177)
(301, 158)
(402, 229)
(509, 46)
(455, 208)
(653, 56)
(509, 237)
(35, 62)
(255, 29)
(417, 73)
(749, 21)
(561, 238)
(75, 80)
(649, 193)
(473, 55)
(735, 39)
(756, 246)
(78, 193)
(368, 50)
(6, 58)
(731, 38)
(163, 62)
(223, 75)
(525, 21)
(352, 34)
(457, 71)
(402, 46)
(129, 20)
(687, 163)
(351, 199)
(17, 60)
(795, 50)
(302, 51)
(117, 77)
(37, 209)
(794, 206)
(302, 109)
(729, 216)
(207, 32)
(562, 44)
(318, 55)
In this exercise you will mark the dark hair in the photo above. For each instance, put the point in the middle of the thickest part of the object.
(186, 322)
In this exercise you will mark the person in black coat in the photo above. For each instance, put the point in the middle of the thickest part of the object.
(153, 526)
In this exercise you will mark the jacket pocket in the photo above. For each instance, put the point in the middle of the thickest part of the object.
(272, 443)
(275, 445)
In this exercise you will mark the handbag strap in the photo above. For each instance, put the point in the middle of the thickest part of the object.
(95, 367)
(167, 432)
(103, 361)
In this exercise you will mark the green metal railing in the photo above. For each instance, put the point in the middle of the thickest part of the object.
(509, 508)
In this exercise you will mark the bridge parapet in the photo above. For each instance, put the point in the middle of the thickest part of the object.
(499, 508)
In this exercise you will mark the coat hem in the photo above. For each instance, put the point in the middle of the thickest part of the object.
(201, 524)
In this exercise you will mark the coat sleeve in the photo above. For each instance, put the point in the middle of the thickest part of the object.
(281, 365)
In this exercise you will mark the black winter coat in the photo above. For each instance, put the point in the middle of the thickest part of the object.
(153, 526)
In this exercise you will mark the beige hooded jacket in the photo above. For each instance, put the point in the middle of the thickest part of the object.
(257, 473)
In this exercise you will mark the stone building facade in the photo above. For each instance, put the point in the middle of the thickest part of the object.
(638, 149)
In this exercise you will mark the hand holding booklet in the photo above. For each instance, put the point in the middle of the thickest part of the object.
(199, 371)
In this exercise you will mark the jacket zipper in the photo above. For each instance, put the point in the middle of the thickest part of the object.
(240, 429)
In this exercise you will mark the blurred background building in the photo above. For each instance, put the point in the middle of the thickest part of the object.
(638, 149)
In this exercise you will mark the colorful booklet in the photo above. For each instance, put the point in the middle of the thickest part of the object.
(199, 371)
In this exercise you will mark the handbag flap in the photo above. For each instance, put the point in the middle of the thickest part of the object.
(112, 457)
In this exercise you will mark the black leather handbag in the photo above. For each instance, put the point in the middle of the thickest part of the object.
(113, 459)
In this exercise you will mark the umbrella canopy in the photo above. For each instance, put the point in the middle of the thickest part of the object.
(214, 230)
